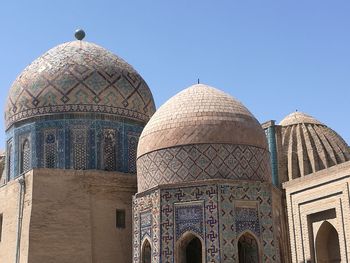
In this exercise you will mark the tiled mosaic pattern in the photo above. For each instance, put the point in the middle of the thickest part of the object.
(9, 160)
(146, 224)
(133, 139)
(189, 217)
(207, 194)
(203, 161)
(25, 156)
(50, 149)
(143, 207)
(109, 149)
(222, 221)
(73, 144)
(247, 218)
(75, 77)
(247, 191)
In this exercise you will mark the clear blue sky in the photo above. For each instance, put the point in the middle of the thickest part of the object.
(274, 56)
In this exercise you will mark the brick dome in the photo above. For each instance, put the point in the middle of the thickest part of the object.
(79, 77)
(310, 146)
(201, 133)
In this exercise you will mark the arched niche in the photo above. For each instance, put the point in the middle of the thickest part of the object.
(248, 248)
(327, 244)
(146, 252)
(190, 249)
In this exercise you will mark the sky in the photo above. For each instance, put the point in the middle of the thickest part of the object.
(275, 56)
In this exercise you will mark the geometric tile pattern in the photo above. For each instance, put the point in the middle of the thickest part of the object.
(247, 219)
(173, 198)
(263, 227)
(79, 148)
(145, 213)
(177, 210)
(9, 161)
(109, 149)
(72, 143)
(50, 148)
(133, 140)
(189, 217)
(79, 76)
(202, 161)
(25, 156)
(146, 224)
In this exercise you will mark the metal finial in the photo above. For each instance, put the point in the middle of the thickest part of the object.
(197, 81)
(79, 34)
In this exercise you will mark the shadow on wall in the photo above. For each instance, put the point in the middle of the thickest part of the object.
(327, 249)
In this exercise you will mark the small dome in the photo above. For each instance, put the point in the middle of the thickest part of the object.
(299, 117)
(201, 114)
(310, 146)
(199, 134)
(76, 77)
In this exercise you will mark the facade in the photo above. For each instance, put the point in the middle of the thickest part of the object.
(73, 119)
(93, 173)
(204, 193)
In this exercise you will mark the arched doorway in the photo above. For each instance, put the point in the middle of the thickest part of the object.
(146, 253)
(189, 249)
(248, 249)
(327, 244)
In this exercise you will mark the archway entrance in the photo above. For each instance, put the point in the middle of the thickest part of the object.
(248, 249)
(327, 244)
(146, 252)
(189, 249)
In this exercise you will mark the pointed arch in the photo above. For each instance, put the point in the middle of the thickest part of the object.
(50, 149)
(9, 161)
(327, 244)
(109, 150)
(146, 251)
(25, 156)
(248, 247)
(190, 248)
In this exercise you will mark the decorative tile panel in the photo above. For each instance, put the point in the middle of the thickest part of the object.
(204, 161)
(50, 148)
(223, 220)
(79, 147)
(146, 224)
(247, 219)
(52, 141)
(109, 149)
(189, 217)
(133, 139)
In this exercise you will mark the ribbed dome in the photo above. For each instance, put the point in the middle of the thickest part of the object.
(309, 145)
(201, 133)
(201, 114)
(79, 76)
(299, 117)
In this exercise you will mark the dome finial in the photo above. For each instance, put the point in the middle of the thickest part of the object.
(79, 34)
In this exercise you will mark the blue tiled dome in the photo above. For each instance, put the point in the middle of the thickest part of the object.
(79, 76)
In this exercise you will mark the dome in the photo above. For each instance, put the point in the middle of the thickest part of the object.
(299, 117)
(201, 114)
(201, 133)
(310, 146)
(79, 77)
